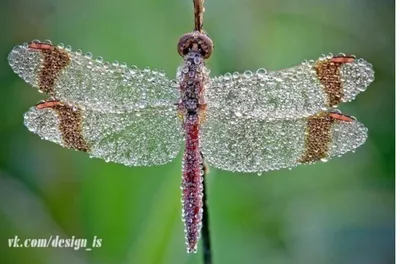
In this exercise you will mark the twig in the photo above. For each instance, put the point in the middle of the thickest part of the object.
(198, 14)
(205, 230)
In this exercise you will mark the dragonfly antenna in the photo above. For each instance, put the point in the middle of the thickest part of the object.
(198, 14)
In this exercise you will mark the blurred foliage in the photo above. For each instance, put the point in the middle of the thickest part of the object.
(336, 212)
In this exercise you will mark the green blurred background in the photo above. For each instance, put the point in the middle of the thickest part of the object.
(336, 212)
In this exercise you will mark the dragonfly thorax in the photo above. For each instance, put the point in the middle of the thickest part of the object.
(196, 42)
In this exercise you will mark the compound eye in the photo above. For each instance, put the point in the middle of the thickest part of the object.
(195, 41)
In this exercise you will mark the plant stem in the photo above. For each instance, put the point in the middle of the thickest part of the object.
(205, 230)
(198, 14)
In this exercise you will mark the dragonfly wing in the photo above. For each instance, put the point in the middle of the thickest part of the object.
(251, 145)
(299, 91)
(142, 138)
(78, 79)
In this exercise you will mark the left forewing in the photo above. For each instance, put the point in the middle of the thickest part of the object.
(76, 78)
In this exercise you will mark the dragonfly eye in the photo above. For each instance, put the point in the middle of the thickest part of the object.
(195, 41)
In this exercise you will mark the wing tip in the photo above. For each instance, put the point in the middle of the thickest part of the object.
(356, 77)
(348, 135)
(44, 123)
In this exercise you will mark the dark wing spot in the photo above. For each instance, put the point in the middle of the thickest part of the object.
(318, 137)
(70, 124)
(54, 60)
(329, 75)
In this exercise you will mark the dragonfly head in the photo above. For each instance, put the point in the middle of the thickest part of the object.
(197, 42)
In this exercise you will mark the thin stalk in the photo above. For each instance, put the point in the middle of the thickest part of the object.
(198, 14)
(205, 230)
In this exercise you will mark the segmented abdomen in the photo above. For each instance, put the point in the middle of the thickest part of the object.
(192, 76)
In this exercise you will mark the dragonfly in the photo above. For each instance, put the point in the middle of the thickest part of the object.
(250, 122)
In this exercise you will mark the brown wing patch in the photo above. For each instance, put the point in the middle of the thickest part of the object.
(54, 60)
(70, 124)
(318, 137)
(329, 75)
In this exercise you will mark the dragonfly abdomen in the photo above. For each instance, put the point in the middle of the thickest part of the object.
(192, 181)
(192, 76)
(191, 86)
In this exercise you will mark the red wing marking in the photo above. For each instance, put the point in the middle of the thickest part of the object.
(343, 59)
(48, 104)
(40, 46)
(341, 117)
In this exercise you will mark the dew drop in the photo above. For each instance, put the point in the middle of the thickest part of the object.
(227, 76)
(197, 60)
(133, 68)
(161, 73)
(238, 114)
(261, 72)
(324, 108)
(248, 74)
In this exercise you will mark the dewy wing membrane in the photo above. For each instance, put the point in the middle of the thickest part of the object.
(290, 93)
(249, 145)
(144, 138)
(91, 83)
